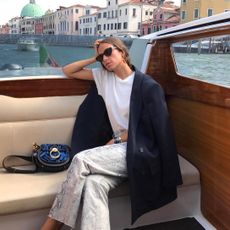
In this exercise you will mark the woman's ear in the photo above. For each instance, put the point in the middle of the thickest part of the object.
(124, 56)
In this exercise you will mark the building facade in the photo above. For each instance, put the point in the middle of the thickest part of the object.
(122, 17)
(67, 19)
(4, 29)
(30, 16)
(48, 22)
(196, 9)
(164, 16)
(88, 22)
(27, 25)
(14, 25)
(119, 18)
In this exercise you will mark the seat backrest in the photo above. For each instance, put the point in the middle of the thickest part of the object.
(24, 121)
(139, 53)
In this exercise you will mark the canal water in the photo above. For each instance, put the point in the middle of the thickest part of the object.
(213, 68)
(62, 55)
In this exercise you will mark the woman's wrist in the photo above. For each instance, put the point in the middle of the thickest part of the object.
(117, 139)
(120, 136)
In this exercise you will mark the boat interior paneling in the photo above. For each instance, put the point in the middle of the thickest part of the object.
(43, 87)
(200, 114)
(202, 135)
(51, 120)
(201, 120)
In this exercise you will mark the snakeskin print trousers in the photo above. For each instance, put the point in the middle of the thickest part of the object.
(84, 192)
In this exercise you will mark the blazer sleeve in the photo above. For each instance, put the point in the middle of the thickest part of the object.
(92, 127)
(171, 175)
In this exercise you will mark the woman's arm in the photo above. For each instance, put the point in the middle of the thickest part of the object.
(77, 69)
(123, 136)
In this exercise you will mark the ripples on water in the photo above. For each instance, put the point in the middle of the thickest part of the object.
(62, 54)
(30, 60)
(213, 68)
(10, 54)
(67, 54)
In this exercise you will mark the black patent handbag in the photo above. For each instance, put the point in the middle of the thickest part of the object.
(45, 158)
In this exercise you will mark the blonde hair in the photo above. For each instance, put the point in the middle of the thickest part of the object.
(116, 42)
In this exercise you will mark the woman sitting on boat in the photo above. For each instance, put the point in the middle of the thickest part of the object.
(122, 132)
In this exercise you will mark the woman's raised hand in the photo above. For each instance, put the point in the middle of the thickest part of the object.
(96, 44)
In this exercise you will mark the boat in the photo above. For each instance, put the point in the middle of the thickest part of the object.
(203, 46)
(27, 44)
(33, 110)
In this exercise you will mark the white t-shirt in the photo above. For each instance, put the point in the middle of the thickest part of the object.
(116, 94)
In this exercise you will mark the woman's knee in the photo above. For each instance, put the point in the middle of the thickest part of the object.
(77, 158)
(97, 183)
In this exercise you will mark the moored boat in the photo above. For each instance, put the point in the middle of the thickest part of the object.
(27, 44)
(34, 110)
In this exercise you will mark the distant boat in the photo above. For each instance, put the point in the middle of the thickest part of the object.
(202, 46)
(27, 44)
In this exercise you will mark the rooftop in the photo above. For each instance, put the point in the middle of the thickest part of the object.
(32, 10)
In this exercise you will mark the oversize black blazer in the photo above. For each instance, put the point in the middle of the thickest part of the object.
(152, 160)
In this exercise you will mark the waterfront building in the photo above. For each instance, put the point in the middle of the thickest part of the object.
(67, 18)
(31, 10)
(101, 20)
(88, 24)
(4, 29)
(38, 25)
(48, 22)
(108, 18)
(147, 18)
(196, 9)
(132, 14)
(122, 17)
(119, 18)
(29, 13)
(27, 26)
(14, 25)
(165, 16)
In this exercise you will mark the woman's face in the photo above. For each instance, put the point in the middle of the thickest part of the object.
(111, 57)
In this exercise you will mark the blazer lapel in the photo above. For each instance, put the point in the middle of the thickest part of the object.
(135, 102)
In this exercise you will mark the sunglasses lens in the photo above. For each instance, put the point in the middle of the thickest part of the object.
(107, 53)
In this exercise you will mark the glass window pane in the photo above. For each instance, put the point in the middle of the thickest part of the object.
(206, 59)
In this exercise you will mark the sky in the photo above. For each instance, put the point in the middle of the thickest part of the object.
(12, 8)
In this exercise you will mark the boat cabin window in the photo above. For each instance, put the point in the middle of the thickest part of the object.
(206, 59)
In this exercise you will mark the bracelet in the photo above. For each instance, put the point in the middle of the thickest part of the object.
(117, 140)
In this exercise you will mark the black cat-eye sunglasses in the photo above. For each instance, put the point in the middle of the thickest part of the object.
(107, 52)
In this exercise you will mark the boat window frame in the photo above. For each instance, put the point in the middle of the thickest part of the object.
(215, 49)
(163, 69)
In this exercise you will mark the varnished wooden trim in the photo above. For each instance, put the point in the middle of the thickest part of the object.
(201, 34)
(162, 69)
(44, 87)
(200, 116)
(202, 135)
